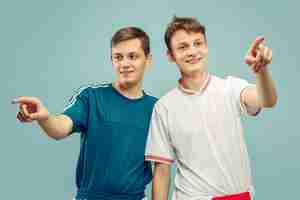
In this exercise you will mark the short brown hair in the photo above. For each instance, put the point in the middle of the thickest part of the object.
(129, 33)
(188, 24)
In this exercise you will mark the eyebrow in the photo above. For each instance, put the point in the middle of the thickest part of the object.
(117, 54)
(131, 52)
(182, 43)
(199, 39)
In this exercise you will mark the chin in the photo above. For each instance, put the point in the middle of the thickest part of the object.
(198, 67)
(191, 69)
(127, 82)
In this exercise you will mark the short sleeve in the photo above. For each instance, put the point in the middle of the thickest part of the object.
(77, 109)
(237, 86)
(159, 148)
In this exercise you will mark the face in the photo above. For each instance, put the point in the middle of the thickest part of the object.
(129, 62)
(189, 51)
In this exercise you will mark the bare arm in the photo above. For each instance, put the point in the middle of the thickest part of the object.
(31, 109)
(264, 94)
(57, 127)
(161, 181)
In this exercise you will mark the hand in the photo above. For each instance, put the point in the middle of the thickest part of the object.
(31, 108)
(258, 55)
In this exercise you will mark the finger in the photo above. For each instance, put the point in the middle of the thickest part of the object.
(261, 47)
(35, 116)
(253, 67)
(20, 117)
(23, 119)
(28, 120)
(265, 56)
(257, 62)
(258, 67)
(24, 99)
(269, 56)
(249, 59)
(22, 114)
(24, 110)
(258, 57)
(266, 50)
(26, 114)
(255, 44)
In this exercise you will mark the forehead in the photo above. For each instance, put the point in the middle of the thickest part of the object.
(182, 36)
(133, 45)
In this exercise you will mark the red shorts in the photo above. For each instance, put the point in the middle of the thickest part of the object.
(240, 196)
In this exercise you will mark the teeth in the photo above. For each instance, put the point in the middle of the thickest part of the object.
(197, 59)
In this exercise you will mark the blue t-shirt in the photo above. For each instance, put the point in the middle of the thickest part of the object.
(113, 130)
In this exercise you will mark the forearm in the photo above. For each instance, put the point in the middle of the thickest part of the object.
(266, 90)
(160, 182)
(57, 127)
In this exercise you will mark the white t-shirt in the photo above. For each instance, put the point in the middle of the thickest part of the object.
(202, 132)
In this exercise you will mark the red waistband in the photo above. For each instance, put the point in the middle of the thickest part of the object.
(240, 196)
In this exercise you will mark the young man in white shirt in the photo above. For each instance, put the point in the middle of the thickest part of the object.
(197, 124)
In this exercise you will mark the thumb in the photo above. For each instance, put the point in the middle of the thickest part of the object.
(34, 116)
(249, 59)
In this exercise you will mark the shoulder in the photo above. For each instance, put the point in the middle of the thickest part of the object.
(232, 80)
(227, 83)
(84, 91)
(171, 98)
(151, 99)
(91, 87)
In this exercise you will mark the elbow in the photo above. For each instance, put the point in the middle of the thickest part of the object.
(271, 103)
(57, 136)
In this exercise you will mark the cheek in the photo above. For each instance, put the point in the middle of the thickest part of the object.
(180, 58)
(204, 51)
(116, 67)
(140, 65)
(177, 57)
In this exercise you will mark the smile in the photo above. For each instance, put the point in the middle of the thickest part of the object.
(193, 61)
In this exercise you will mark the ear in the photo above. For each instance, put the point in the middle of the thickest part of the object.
(170, 56)
(149, 61)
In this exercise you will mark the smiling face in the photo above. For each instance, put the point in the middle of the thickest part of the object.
(189, 51)
(129, 61)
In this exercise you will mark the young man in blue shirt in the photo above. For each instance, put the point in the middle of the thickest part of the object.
(113, 121)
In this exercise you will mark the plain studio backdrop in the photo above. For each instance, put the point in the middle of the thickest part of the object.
(51, 48)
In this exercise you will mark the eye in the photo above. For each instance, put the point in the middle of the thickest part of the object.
(198, 43)
(117, 57)
(182, 47)
(133, 56)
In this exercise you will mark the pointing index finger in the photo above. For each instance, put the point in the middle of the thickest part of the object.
(24, 99)
(255, 44)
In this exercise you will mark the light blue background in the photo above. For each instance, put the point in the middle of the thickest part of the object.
(49, 48)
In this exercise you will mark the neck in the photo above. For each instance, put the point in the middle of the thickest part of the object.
(130, 91)
(194, 81)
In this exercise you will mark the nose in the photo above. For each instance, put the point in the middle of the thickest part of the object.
(192, 52)
(125, 63)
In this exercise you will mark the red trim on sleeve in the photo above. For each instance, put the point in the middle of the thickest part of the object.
(159, 159)
(248, 110)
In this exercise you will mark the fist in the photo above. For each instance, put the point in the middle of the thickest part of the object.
(258, 55)
(30, 109)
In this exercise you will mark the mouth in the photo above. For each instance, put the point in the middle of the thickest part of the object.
(193, 60)
(126, 72)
